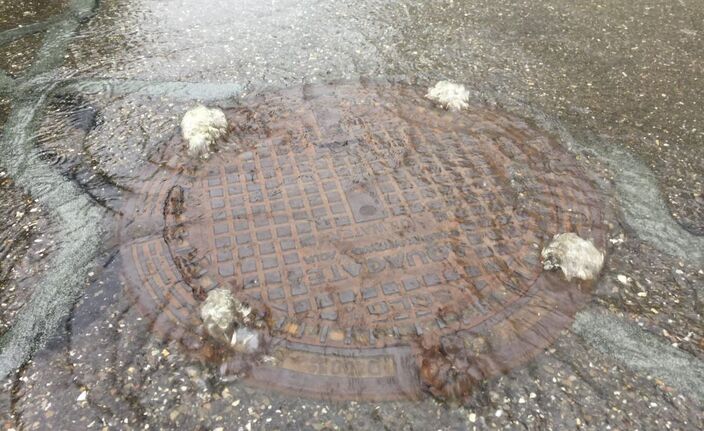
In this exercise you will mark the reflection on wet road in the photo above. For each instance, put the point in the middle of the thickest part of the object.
(91, 95)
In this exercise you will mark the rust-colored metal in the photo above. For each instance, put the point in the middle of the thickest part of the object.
(391, 244)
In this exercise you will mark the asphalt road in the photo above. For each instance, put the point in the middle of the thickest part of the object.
(618, 82)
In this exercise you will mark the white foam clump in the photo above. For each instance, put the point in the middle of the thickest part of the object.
(449, 95)
(201, 127)
(576, 257)
(218, 313)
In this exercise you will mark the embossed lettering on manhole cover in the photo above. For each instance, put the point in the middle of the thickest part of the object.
(384, 237)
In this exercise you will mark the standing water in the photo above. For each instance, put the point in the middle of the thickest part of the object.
(328, 243)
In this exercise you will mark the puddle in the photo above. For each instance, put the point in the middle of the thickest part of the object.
(61, 140)
(380, 236)
(390, 250)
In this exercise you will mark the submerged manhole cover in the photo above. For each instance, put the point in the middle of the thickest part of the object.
(391, 243)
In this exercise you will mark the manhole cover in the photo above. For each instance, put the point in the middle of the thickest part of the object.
(371, 226)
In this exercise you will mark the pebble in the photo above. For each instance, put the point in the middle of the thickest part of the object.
(623, 280)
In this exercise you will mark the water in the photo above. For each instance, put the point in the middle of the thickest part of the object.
(357, 219)
(90, 111)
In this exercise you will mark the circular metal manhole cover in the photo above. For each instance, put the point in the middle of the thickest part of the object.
(371, 226)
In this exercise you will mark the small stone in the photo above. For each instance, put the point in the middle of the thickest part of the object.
(82, 396)
(616, 241)
(472, 417)
(576, 257)
(623, 279)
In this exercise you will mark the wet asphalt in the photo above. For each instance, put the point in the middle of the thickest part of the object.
(619, 82)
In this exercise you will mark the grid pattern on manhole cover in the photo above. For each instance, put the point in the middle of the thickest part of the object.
(364, 217)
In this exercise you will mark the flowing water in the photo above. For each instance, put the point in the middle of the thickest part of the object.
(389, 249)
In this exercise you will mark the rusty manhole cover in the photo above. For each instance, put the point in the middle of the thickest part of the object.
(391, 243)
